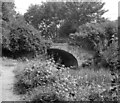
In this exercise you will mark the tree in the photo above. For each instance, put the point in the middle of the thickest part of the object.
(102, 38)
(8, 11)
(63, 18)
(18, 37)
(7, 15)
(101, 35)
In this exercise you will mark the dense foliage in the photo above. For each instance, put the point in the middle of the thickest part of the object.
(18, 37)
(55, 19)
(42, 81)
(102, 38)
(81, 24)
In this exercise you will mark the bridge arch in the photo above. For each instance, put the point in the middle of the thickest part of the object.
(63, 57)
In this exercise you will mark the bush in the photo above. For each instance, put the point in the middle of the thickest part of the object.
(100, 38)
(34, 74)
(45, 82)
(20, 38)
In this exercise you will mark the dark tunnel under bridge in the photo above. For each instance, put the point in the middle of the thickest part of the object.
(63, 57)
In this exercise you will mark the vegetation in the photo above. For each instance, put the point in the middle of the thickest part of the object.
(99, 37)
(18, 36)
(42, 81)
(59, 19)
(80, 25)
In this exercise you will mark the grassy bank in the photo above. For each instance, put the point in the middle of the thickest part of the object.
(40, 80)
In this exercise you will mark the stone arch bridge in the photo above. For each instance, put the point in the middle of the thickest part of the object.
(63, 52)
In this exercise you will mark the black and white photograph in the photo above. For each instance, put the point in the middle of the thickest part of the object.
(59, 51)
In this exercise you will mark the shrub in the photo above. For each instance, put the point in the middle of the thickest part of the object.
(34, 74)
(20, 38)
(45, 82)
(100, 38)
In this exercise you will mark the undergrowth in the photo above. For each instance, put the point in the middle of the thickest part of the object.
(42, 81)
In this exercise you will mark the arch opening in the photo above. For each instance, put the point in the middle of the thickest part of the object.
(63, 57)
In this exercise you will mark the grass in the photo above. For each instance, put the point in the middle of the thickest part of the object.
(40, 80)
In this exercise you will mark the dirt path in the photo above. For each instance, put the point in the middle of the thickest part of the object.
(6, 84)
